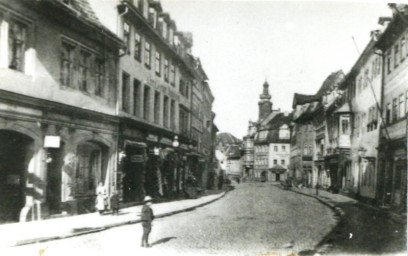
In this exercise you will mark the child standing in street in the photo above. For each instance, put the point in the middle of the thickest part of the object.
(114, 202)
(147, 218)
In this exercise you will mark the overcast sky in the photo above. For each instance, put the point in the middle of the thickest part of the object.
(295, 45)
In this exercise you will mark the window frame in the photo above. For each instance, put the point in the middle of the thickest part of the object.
(21, 43)
(157, 63)
(137, 51)
(148, 54)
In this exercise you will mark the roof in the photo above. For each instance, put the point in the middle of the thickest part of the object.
(233, 151)
(344, 109)
(329, 84)
(272, 128)
(227, 138)
(80, 10)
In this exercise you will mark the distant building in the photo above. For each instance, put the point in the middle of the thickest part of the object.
(270, 136)
(228, 153)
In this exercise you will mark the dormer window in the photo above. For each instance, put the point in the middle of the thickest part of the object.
(164, 29)
(152, 17)
(284, 132)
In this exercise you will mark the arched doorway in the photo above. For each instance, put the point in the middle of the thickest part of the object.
(16, 151)
(92, 167)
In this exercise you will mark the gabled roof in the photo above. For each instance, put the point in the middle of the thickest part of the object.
(233, 151)
(272, 128)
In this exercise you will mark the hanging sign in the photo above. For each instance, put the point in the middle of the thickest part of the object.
(52, 141)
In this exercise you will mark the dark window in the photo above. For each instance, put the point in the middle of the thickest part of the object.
(138, 47)
(166, 111)
(166, 70)
(136, 88)
(172, 115)
(126, 36)
(83, 71)
(158, 63)
(172, 74)
(148, 54)
(403, 49)
(17, 38)
(99, 76)
(396, 54)
(401, 106)
(125, 92)
(67, 60)
(157, 107)
(388, 114)
(394, 109)
(146, 103)
(389, 62)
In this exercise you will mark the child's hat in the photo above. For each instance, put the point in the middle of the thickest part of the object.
(147, 199)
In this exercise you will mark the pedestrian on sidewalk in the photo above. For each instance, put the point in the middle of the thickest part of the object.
(100, 198)
(147, 218)
(114, 202)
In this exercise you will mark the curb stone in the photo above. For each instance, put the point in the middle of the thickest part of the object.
(108, 226)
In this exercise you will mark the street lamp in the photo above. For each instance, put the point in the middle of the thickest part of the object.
(175, 145)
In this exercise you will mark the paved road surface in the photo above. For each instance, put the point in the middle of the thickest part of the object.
(253, 219)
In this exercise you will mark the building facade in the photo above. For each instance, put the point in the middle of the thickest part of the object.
(392, 175)
(162, 87)
(58, 103)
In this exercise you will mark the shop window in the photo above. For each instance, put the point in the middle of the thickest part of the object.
(90, 168)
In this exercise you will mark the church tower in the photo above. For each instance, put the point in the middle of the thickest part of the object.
(265, 104)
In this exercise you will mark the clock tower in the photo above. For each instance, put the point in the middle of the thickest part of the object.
(265, 104)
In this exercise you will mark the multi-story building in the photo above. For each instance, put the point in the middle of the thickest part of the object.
(358, 139)
(392, 174)
(58, 129)
(160, 97)
(314, 133)
(248, 150)
(271, 141)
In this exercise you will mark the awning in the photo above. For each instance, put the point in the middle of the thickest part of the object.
(135, 144)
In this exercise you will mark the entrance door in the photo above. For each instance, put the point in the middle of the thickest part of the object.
(278, 177)
(54, 173)
(15, 154)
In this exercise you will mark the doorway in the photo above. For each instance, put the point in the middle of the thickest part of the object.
(277, 177)
(16, 150)
(54, 174)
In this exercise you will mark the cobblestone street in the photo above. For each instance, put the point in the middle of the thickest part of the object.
(255, 218)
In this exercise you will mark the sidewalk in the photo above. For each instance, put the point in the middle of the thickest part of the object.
(361, 228)
(40, 231)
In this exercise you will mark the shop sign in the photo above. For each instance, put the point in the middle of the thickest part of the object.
(136, 158)
(166, 141)
(152, 137)
(52, 141)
